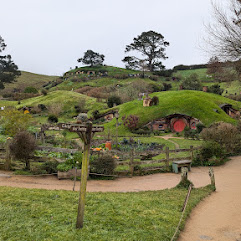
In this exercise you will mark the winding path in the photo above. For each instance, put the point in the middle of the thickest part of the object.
(217, 218)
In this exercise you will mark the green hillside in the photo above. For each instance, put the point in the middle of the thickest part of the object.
(29, 79)
(67, 98)
(197, 104)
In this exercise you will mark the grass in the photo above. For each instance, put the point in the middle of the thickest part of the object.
(29, 79)
(67, 98)
(197, 104)
(28, 214)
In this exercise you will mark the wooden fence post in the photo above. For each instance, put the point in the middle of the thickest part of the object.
(211, 175)
(8, 156)
(192, 154)
(84, 175)
(167, 158)
(131, 167)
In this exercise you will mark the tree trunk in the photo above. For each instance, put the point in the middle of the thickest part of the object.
(27, 162)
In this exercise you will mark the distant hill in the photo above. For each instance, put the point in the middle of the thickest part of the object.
(28, 79)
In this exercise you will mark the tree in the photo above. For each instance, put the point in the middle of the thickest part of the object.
(152, 46)
(8, 70)
(92, 58)
(224, 33)
(14, 121)
(192, 83)
(22, 146)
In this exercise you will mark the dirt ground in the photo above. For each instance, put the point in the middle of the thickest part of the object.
(217, 218)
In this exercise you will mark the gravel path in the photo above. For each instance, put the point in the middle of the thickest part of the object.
(218, 218)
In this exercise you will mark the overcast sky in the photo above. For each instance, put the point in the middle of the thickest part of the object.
(48, 36)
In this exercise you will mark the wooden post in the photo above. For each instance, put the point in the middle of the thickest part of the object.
(167, 158)
(75, 174)
(8, 156)
(192, 154)
(131, 167)
(211, 175)
(86, 137)
(184, 172)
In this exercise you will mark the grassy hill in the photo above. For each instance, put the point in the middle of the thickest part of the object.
(66, 98)
(197, 104)
(29, 79)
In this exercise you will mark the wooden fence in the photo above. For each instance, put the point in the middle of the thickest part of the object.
(130, 160)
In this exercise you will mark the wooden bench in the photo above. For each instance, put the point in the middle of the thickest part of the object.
(179, 164)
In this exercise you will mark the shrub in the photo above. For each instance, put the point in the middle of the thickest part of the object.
(104, 165)
(216, 89)
(53, 119)
(72, 161)
(96, 114)
(192, 83)
(211, 153)
(131, 121)
(30, 89)
(14, 121)
(154, 100)
(113, 100)
(81, 106)
(44, 92)
(22, 146)
(42, 107)
(55, 109)
(50, 166)
(227, 135)
(166, 86)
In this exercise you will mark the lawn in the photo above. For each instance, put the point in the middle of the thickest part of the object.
(28, 214)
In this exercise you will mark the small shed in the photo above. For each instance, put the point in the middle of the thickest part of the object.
(147, 102)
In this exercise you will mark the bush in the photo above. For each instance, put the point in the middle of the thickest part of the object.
(96, 114)
(42, 107)
(50, 166)
(192, 83)
(53, 119)
(113, 100)
(31, 89)
(22, 146)
(227, 135)
(211, 153)
(216, 89)
(44, 92)
(104, 165)
(166, 87)
(154, 100)
(72, 161)
(131, 121)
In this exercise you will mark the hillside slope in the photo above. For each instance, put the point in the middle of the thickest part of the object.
(197, 104)
(29, 79)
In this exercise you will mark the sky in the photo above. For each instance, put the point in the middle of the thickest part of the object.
(48, 36)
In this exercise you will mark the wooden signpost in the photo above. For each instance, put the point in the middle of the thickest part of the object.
(86, 132)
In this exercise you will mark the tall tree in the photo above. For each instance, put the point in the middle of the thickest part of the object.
(152, 46)
(225, 31)
(92, 58)
(8, 69)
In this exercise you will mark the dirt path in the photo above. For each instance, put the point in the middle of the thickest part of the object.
(218, 218)
(143, 183)
(170, 136)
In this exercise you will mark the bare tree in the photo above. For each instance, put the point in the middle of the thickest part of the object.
(225, 32)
